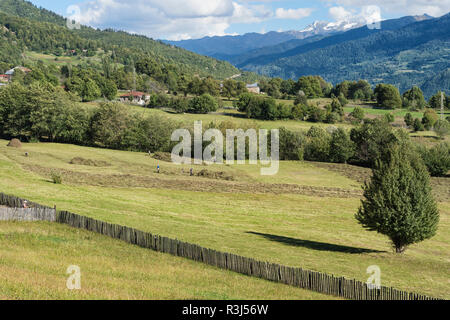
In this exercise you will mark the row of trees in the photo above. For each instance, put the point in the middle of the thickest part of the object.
(200, 104)
(387, 96)
(48, 113)
(429, 121)
(263, 108)
(364, 145)
(311, 86)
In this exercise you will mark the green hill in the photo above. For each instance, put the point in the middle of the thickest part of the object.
(26, 27)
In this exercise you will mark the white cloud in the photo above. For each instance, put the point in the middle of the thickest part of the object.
(339, 13)
(296, 14)
(367, 15)
(404, 7)
(179, 19)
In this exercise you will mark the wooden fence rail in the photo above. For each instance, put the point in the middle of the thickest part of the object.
(309, 280)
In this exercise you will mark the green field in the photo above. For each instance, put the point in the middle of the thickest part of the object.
(398, 113)
(35, 257)
(302, 217)
(50, 59)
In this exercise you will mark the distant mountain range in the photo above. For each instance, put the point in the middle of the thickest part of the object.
(227, 47)
(413, 50)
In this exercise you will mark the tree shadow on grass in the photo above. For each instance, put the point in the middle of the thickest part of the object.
(314, 245)
(234, 115)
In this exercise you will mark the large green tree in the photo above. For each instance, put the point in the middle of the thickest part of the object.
(398, 201)
(388, 96)
(414, 99)
(341, 147)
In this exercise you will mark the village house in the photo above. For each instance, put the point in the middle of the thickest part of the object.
(4, 78)
(10, 73)
(135, 97)
(254, 88)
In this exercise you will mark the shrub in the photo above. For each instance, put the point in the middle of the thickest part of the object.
(372, 140)
(389, 117)
(315, 114)
(429, 119)
(179, 104)
(409, 120)
(442, 128)
(203, 104)
(332, 118)
(342, 100)
(341, 147)
(318, 145)
(301, 99)
(291, 145)
(56, 177)
(436, 159)
(418, 125)
(358, 114)
(243, 102)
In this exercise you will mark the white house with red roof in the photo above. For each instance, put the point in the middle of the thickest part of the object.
(135, 97)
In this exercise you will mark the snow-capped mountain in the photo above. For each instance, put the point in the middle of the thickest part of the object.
(324, 28)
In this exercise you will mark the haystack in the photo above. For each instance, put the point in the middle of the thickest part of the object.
(15, 143)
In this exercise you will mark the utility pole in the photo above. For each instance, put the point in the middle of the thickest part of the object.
(134, 78)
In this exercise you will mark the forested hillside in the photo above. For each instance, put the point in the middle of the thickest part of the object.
(295, 47)
(412, 55)
(40, 30)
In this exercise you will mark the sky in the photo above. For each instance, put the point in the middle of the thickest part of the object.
(192, 19)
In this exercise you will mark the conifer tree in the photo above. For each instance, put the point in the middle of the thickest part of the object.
(398, 200)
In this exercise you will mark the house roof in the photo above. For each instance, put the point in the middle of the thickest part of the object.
(11, 72)
(254, 85)
(133, 94)
(3, 76)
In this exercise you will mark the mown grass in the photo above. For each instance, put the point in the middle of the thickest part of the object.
(315, 232)
(50, 59)
(34, 258)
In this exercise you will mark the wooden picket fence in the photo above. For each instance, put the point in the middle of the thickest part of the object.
(27, 215)
(15, 202)
(309, 280)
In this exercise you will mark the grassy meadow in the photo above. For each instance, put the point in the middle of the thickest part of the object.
(111, 269)
(302, 217)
